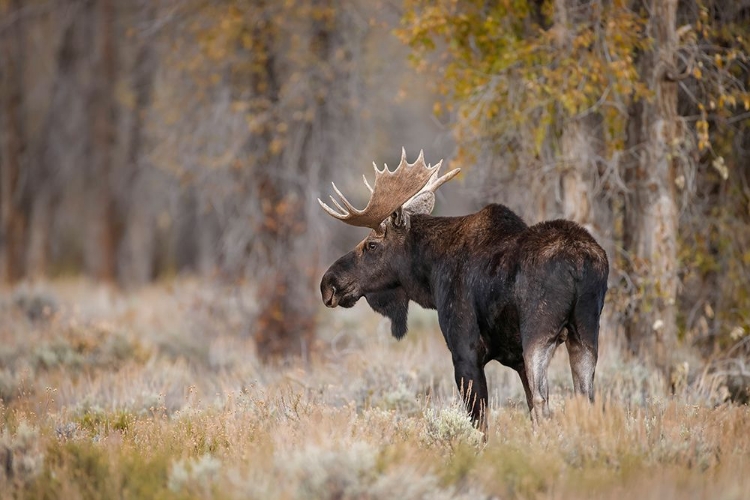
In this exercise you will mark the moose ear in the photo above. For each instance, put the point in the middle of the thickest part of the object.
(400, 219)
(421, 204)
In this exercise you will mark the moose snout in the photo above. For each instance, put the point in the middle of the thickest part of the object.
(328, 291)
(338, 289)
(329, 297)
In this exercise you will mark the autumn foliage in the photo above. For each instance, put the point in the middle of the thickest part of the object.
(146, 139)
(633, 108)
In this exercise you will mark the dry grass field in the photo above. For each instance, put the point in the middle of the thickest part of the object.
(158, 394)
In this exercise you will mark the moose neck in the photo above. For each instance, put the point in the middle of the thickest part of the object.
(439, 250)
(427, 255)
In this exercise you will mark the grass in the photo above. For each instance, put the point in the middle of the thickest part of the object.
(158, 394)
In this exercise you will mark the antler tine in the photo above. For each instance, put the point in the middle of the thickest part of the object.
(424, 201)
(403, 163)
(442, 180)
(349, 206)
(435, 182)
(420, 158)
(342, 210)
(367, 183)
(331, 211)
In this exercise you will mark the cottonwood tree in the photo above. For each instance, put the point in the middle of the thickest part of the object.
(68, 147)
(144, 138)
(60, 150)
(13, 196)
(275, 86)
(139, 186)
(578, 102)
(102, 236)
(714, 243)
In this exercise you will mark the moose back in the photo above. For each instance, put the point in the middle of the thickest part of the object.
(503, 290)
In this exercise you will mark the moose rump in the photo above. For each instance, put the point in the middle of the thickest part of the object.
(557, 293)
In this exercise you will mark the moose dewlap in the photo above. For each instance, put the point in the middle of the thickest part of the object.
(503, 290)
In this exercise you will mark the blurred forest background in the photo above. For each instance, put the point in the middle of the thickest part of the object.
(140, 139)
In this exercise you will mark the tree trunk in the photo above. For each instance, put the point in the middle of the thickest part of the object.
(13, 215)
(102, 233)
(55, 154)
(575, 152)
(651, 210)
(581, 146)
(286, 322)
(137, 247)
(576, 178)
(37, 258)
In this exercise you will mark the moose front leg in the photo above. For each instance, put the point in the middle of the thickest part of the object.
(472, 386)
(467, 349)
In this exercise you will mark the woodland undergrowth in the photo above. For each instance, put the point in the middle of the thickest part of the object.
(159, 394)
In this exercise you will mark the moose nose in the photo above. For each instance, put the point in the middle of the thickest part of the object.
(329, 297)
(328, 291)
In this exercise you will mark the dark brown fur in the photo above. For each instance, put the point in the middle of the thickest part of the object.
(502, 290)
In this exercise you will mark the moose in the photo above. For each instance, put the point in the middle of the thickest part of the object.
(502, 290)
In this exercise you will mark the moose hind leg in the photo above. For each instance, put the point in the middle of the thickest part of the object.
(583, 344)
(583, 366)
(536, 358)
(521, 369)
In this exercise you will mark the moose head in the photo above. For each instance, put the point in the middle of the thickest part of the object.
(374, 268)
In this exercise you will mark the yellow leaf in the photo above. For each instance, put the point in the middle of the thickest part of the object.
(276, 146)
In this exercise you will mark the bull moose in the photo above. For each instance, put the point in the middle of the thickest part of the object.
(503, 290)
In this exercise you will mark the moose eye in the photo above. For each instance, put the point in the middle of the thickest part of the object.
(372, 245)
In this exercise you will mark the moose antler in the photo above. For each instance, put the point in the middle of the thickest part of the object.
(391, 191)
(435, 182)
